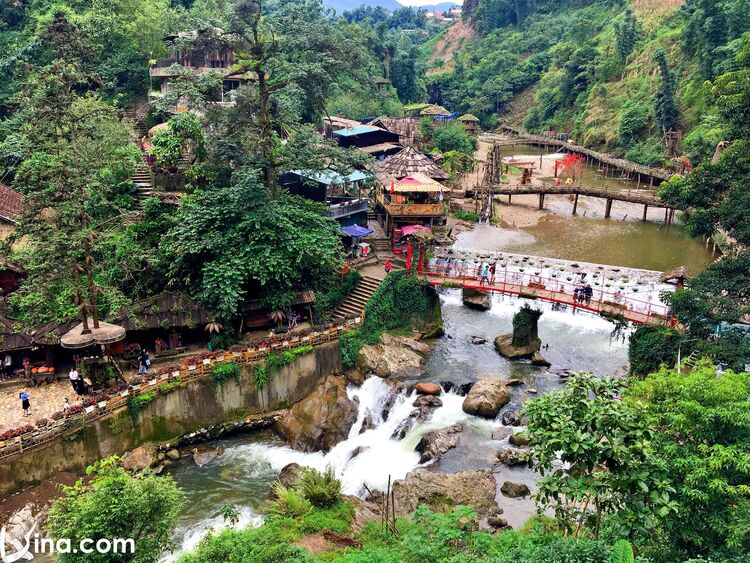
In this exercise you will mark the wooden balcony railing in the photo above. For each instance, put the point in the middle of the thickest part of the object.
(412, 209)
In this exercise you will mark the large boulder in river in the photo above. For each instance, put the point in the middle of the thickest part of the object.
(433, 445)
(515, 490)
(393, 356)
(441, 491)
(505, 347)
(322, 419)
(513, 457)
(140, 458)
(205, 455)
(475, 299)
(487, 397)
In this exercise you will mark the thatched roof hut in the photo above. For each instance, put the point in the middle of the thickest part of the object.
(407, 163)
(468, 118)
(434, 109)
(11, 337)
(167, 310)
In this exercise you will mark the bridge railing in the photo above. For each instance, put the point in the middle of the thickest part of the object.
(530, 285)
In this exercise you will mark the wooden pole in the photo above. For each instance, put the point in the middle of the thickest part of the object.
(645, 212)
(541, 201)
(575, 205)
(608, 209)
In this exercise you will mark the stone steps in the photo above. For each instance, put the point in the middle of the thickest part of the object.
(354, 303)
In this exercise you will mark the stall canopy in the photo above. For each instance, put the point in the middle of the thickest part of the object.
(105, 334)
(411, 229)
(355, 231)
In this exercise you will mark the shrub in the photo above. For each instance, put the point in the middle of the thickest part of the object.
(136, 403)
(288, 502)
(466, 216)
(349, 345)
(261, 376)
(321, 489)
(279, 359)
(224, 372)
(42, 422)
(165, 388)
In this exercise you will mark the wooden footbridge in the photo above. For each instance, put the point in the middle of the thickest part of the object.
(641, 197)
(612, 304)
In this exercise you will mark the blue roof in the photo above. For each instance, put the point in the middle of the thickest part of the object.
(358, 130)
(329, 177)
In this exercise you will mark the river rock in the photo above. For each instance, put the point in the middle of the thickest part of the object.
(393, 356)
(322, 419)
(478, 340)
(26, 519)
(435, 444)
(486, 398)
(504, 346)
(502, 433)
(367, 423)
(514, 382)
(140, 458)
(510, 418)
(531, 391)
(290, 474)
(441, 491)
(426, 388)
(538, 360)
(364, 512)
(203, 456)
(475, 299)
(173, 454)
(515, 490)
(512, 457)
(497, 522)
(463, 389)
(519, 439)
(427, 401)
(356, 377)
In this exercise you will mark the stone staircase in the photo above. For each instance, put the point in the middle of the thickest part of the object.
(380, 244)
(139, 126)
(143, 181)
(354, 303)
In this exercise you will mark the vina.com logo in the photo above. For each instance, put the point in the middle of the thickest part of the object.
(12, 549)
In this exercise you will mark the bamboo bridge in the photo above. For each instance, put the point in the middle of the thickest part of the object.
(640, 170)
(641, 197)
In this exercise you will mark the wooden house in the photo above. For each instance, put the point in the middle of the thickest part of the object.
(376, 141)
(470, 123)
(412, 200)
(11, 203)
(408, 162)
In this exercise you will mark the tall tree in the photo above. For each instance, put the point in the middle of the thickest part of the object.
(666, 110)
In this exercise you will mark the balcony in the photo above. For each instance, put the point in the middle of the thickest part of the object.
(347, 208)
(411, 209)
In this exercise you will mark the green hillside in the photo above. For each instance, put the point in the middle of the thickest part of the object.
(590, 69)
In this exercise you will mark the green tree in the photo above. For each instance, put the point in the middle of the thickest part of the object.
(453, 137)
(597, 459)
(702, 423)
(76, 181)
(626, 35)
(113, 504)
(666, 110)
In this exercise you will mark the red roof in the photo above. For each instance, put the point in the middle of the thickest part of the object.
(10, 202)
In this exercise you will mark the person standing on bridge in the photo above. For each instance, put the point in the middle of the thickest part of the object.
(484, 280)
(589, 292)
(493, 269)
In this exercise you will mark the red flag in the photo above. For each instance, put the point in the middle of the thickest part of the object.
(393, 185)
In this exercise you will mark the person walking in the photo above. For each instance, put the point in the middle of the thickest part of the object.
(8, 365)
(388, 266)
(143, 361)
(75, 380)
(25, 404)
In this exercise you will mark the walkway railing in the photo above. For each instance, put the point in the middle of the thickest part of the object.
(531, 286)
(191, 369)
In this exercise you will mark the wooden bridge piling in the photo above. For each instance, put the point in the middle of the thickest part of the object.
(608, 209)
(645, 212)
(575, 205)
(541, 201)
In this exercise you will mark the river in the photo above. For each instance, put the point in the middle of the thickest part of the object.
(243, 475)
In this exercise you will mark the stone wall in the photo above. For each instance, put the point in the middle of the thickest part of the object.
(199, 404)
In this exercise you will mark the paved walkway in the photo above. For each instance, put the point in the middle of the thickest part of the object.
(45, 400)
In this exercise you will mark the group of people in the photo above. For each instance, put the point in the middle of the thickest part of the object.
(583, 294)
(26, 404)
(487, 274)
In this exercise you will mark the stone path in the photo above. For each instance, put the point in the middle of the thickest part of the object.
(45, 400)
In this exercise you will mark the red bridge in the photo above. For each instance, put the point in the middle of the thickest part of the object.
(609, 304)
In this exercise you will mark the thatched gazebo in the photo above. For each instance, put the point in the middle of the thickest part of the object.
(408, 162)
(434, 110)
(83, 336)
(470, 122)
